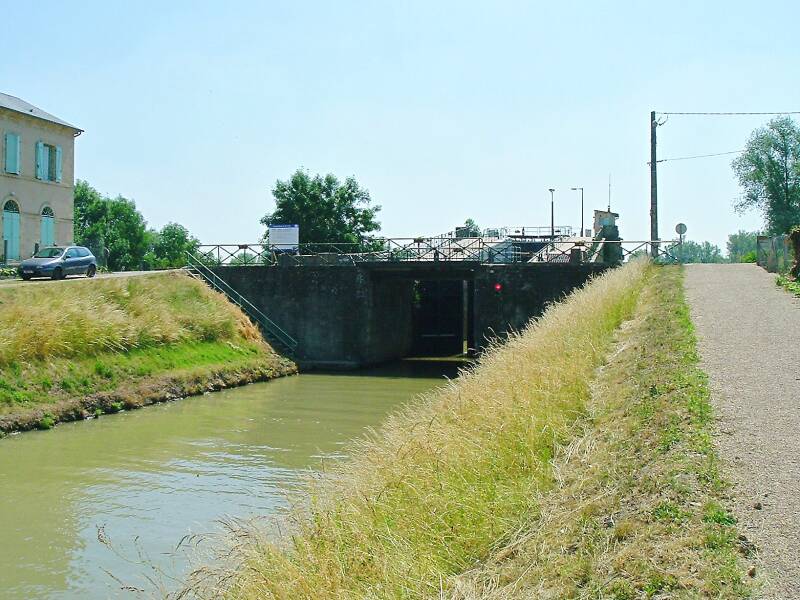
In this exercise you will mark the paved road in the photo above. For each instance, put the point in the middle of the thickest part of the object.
(41, 281)
(749, 341)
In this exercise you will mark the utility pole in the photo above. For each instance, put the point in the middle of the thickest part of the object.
(653, 187)
(552, 215)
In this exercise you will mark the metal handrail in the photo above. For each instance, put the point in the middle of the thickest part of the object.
(254, 312)
(444, 249)
(424, 249)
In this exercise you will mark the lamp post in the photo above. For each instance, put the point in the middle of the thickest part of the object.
(552, 217)
(581, 189)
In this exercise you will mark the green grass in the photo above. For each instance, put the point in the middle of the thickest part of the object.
(44, 320)
(575, 461)
(788, 284)
(26, 385)
(64, 343)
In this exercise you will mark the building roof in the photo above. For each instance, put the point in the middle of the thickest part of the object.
(20, 106)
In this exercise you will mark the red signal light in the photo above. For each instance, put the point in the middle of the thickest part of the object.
(498, 287)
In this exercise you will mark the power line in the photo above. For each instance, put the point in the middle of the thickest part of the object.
(699, 156)
(786, 112)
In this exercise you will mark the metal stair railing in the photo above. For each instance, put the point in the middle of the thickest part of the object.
(270, 328)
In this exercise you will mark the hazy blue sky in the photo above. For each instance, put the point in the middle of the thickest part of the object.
(443, 110)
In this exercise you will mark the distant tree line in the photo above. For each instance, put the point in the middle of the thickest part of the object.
(741, 247)
(118, 234)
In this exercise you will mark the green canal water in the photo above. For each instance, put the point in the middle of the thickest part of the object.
(145, 479)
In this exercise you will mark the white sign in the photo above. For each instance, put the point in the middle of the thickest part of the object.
(283, 237)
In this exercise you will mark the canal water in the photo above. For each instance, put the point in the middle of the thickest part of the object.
(142, 480)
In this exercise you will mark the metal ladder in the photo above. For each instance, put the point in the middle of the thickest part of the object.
(271, 331)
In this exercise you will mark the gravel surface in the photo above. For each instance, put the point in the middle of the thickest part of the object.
(749, 341)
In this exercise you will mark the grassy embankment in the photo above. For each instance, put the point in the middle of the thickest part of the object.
(69, 350)
(574, 461)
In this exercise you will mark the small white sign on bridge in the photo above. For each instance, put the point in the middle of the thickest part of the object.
(283, 238)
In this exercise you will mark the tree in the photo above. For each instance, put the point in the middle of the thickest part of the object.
(171, 244)
(117, 233)
(468, 229)
(693, 252)
(742, 246)
(326, 209)
(110, 226)
(769, 173)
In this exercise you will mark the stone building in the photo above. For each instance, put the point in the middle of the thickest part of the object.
(36, 178)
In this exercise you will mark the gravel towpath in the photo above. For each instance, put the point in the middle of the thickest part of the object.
(749, 341)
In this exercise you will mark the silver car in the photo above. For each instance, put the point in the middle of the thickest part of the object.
(57, 262)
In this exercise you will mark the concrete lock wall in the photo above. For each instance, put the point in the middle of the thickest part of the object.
(526, 290)
(339, 315)
(350, 316)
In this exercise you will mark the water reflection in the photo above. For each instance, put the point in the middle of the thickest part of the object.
(147, 478)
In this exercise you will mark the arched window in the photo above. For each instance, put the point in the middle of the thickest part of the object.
(48, 232)
(10, 231)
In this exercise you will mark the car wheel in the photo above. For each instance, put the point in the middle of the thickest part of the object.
(26, 277)
(91, 271)
(57, 273)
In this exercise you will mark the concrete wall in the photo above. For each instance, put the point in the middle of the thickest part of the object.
(349, 316)
(31, 194)
(526, 290)
(341, 316)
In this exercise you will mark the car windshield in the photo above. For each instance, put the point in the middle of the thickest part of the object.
(49, 253)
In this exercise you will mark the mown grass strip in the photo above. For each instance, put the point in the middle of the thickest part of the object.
(451, 479)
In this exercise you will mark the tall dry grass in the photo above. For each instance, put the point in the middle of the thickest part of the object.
(450, 478)
(86, 318)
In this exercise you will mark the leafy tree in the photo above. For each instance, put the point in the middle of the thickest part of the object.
(694, 252)
(111, 226)
(244, 258)
(170, 245)
(742, 246)
(769, 174)
(326, 209)
(117, 233)
(469, 229)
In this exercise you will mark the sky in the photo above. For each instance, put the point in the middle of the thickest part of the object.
(443, 110)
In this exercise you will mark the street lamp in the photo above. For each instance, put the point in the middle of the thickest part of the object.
(581, 189)
(552, 212)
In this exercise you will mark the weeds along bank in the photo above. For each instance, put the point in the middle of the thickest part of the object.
(87, 347)
(574, 461)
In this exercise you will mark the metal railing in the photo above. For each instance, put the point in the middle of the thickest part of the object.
(530, 249)
(605, 251)
(195, 266)
(419, 249)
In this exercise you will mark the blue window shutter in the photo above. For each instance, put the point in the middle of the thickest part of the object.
(58, 164)
(41, 171)
(18, 157)
(12, 153)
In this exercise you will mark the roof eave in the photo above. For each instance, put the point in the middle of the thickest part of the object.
(76, 130)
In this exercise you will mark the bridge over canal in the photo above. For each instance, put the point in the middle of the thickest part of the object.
(340, 306)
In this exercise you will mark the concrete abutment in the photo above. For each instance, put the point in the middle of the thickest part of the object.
(348, 316)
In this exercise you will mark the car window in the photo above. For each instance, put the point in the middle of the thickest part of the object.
(49, 253)
(72, 253)
(83, 252)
